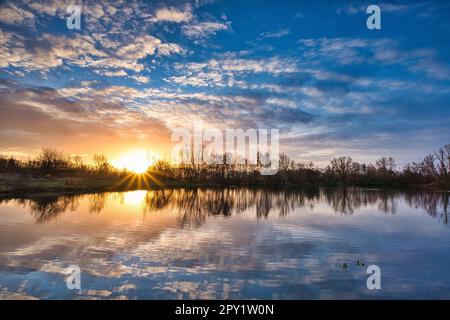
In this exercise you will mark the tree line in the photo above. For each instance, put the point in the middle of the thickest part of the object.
(433, 170)
(50, 162)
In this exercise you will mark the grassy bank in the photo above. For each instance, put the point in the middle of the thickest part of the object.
(15, 184)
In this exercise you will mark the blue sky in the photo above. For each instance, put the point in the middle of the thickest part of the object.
(137, 69)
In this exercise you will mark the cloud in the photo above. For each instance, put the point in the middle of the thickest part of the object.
(229, 72)
(140, 48)
(100, 47)
(354, 51)
(52, 51)
(432, 69)
(45, 117)
(51, 7)
(276, 34)
(244, 110)
(201, 30)
(166, 49)
(118, 73)
(141, 79)
(12, 14)
(174, 15)
(356, 8)
(344, 50)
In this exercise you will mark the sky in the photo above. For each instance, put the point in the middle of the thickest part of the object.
(136, 70)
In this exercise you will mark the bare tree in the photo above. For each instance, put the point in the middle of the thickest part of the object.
(101, 164)
(429, 168)
(50, 160)
(343, 167)
(385, 164)
(443, 159)
(284, 166)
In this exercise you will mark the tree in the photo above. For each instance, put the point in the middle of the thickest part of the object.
(101, 164)
(343, 167)
(385, 164)
(77, 163)
(428, 167)
(443, 164)
(50, 160)
(284, 166)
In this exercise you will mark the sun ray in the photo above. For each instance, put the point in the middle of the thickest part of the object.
(144, 178)
(122, 181)
(131, 182)
(154, 179)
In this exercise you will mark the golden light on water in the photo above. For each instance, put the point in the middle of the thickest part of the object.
(135, 198)
(136, 161)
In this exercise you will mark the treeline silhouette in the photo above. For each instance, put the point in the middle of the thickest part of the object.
(56, 163)
(433, 170)
(194, 206)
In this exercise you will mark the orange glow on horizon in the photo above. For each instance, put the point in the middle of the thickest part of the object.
(136, 161)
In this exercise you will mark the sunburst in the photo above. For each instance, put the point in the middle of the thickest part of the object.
(137, 161)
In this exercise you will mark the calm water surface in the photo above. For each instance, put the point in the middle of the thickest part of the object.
(226, 244)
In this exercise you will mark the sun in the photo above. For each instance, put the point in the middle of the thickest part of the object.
(136, 161)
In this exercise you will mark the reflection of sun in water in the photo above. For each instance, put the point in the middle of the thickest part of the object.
(134, 198)
(136, 161)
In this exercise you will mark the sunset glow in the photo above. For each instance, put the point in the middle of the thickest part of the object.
(136, 161)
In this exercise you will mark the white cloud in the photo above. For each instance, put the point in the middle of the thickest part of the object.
(140, 47)
(267, 65)
(174, 15)
(204, 29)
(225, 72)
(165, 49)
(276, 34)
(141, 79)
(51, 51)
(118, 73)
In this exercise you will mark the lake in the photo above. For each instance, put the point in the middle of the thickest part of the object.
(227, 244)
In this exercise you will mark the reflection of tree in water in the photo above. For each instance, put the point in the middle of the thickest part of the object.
(97, 202)
(346, 201)
(194, 206)
(158, 199)
(387, 203)
(44, 209)
(263, 204)
(436, 204)
(340, 201)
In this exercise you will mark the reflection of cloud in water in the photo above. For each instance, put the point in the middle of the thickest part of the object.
(210, 243)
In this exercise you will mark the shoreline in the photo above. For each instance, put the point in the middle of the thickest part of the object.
(29, 187)
(80, 185)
